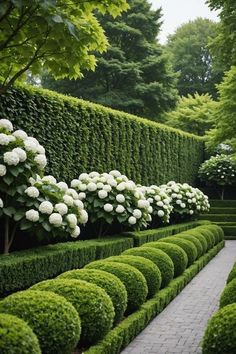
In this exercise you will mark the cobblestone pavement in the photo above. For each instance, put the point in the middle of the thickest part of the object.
(180, 327)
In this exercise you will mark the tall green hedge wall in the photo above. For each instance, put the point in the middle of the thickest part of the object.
(81, 136)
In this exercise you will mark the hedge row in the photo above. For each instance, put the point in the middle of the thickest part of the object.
(81, 136)
(220, 335)
(22, 269)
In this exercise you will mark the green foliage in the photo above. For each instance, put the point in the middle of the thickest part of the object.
(196, 234)
(134, 75)
(211, 236)
(109, 282)
(220, 335)
(149, 270)
(88, 137)
(92, 303)
(228, 296)
(188, 247)
(60, 36)
(22, 269)
(53, 319)
(176, 253)
(17, 337)
(160, 258)
(193, 113)
(192, 59)
(133, 280)
(232, 274)
(195, 241)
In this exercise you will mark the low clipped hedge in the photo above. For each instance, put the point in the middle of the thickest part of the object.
(160, 258)
(149, 270)
(176, 253)
(107, 281)
(202, 239)
(220, 335)
(232, 274)
(51, 317)
(186, 245)
(134, 281)
(92, 303)
(195, 241)
(16, 337)
(229, 294)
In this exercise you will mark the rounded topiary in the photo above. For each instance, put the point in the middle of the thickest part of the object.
(220, 335)
(228, 296)
(160, 258)
(232, 274)
(134, 281)
(201, 239)
(52, 318)
(109, 282)
(176, 253)
(186, 245)
(16, 337)
(210, 236)
(195, 241)
(218, 230)
(92, 303)
(149, 270)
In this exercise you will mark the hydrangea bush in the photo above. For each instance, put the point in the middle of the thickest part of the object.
(219, 170)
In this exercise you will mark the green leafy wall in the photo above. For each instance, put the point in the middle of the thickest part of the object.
(81, 136)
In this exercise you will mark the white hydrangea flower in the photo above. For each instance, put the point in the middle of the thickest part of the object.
(68, 200)
(112, 182)
(20, 134)
(183, 205)
(3, 170)
(151, 200)
(79, 204)
(83, 187)
(41, 149)
(32, 192)
(32, 215)
(49, 179)
(93, 174)
(31, 145)
(191, 212)
(108, 207)
(81, 195)
(11, 138)
(41, 161)
(72, 220)
(120, 209)
(120, 198)
(72, 193)
(160, 204)
(160, 213)
(62, 186)
(61, 208)
(178, 201)
(83, 216)
(75, 232)
(11, 158)
(55, 219)
(115, 173)
(21, 154)
(100, 185)
(150, 209)
(102, 194)
(107, 188)
(75, 183)
(142, 203)
(132, 220)
(92, 187)
(4, 139)
(46, 207)
(83, 177)
(137, 213)
(6, 124)
(157, 198)
(121, 187)
(1, 203)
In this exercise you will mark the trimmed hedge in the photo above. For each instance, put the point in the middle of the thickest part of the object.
(195, 241)
(21, 269)
(109, 282)
(134, 281)
(232, 274)
(149, 270)
(160, 258)
(220, 335)
(176, 253)
(53, 319)
(186, 245)
(201, 239)
(16, 337)
(92, 303)
(81, 136)
(228, 295)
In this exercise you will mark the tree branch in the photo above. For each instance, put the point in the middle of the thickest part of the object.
(7, 13)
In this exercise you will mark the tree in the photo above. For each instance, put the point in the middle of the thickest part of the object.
(133, 75)
(193, 114)
(191, 57)
(223, 45)
(58, 35)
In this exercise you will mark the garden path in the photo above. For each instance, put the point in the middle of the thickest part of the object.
(180, 327)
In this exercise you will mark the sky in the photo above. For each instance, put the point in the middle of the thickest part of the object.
(177, 12)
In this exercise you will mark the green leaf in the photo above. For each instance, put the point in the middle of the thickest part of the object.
(9, 211)
(25, 225)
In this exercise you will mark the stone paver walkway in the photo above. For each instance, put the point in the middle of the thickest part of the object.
(180, 327)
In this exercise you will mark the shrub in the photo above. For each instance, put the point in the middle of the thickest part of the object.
(133, 280)
(16, 337)
(186, 245)
(92, 303)
(200, 237)
(149, 270)
(160, 258)
(220, 335)
(228, 295)
(216, 229)
(176, 253)
(210, 236)
(109, 282)
(53, 319)
(194, 240)
(232, 274)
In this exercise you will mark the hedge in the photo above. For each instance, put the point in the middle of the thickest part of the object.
(195, 241)
(228, 296)
(81, 136)
(232, 274)
(53, 319)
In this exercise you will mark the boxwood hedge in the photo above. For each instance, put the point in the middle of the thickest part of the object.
(228, 295)
(232, 274)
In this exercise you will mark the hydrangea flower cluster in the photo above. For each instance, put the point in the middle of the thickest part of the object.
(112, 197)
(53, 205)
(186, 199)
(159, 200)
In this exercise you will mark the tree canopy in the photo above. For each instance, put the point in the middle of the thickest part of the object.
(134, 74)
(191, 57)
(59, 35)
